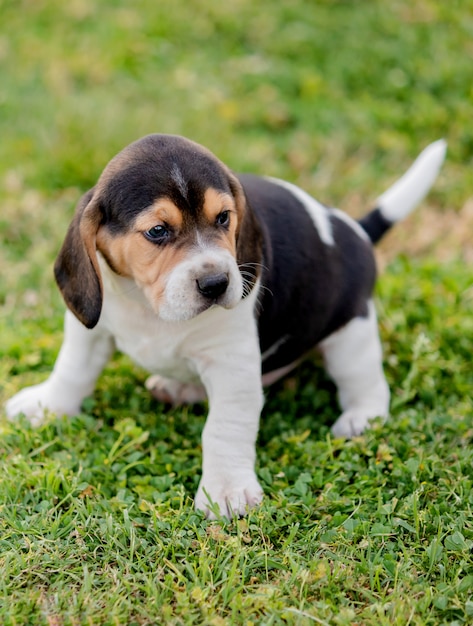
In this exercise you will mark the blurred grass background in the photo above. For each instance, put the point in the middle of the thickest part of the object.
(306, 89)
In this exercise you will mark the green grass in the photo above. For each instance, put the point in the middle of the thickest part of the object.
(96, 517)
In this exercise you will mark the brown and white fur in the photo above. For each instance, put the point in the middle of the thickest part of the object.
(218, 284)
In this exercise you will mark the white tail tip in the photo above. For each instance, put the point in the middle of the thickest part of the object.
(402, 197)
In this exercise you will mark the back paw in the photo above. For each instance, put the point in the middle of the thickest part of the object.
(173, 392)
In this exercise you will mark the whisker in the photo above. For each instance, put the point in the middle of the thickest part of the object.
(248, 286)
(250, 264)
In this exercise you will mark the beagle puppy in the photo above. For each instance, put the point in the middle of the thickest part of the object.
(218, 284)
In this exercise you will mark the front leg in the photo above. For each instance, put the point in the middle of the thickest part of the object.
(82, 357)
(234, 389)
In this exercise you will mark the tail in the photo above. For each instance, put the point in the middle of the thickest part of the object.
(401, 198)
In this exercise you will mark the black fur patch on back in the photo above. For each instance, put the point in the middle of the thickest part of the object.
(309, 289)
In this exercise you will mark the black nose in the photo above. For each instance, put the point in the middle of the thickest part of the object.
(212, 286)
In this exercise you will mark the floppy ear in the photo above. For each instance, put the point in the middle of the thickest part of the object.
(249, 238)
(76, 269)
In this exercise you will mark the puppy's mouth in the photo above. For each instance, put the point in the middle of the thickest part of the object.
(192, 311)
(205, 306)
(194, 287)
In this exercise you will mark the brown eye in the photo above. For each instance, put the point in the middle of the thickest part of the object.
(223, 219)
(158, 234)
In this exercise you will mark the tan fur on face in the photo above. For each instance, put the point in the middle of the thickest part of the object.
(131, 255)
(215, 202)
(162, 211)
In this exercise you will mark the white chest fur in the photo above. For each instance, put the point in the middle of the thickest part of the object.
(175, 350)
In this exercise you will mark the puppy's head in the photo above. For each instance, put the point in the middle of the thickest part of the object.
(169, 215)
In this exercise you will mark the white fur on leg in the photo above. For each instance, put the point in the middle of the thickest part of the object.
(82, 357)
(353, 358)
(232, 379)
(228, 440)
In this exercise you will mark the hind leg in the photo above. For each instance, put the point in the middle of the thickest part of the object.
(353, 358)
(173, 392)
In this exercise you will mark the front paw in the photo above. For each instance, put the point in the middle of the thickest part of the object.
(227, 495)
(352, 423)
(37, 401)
